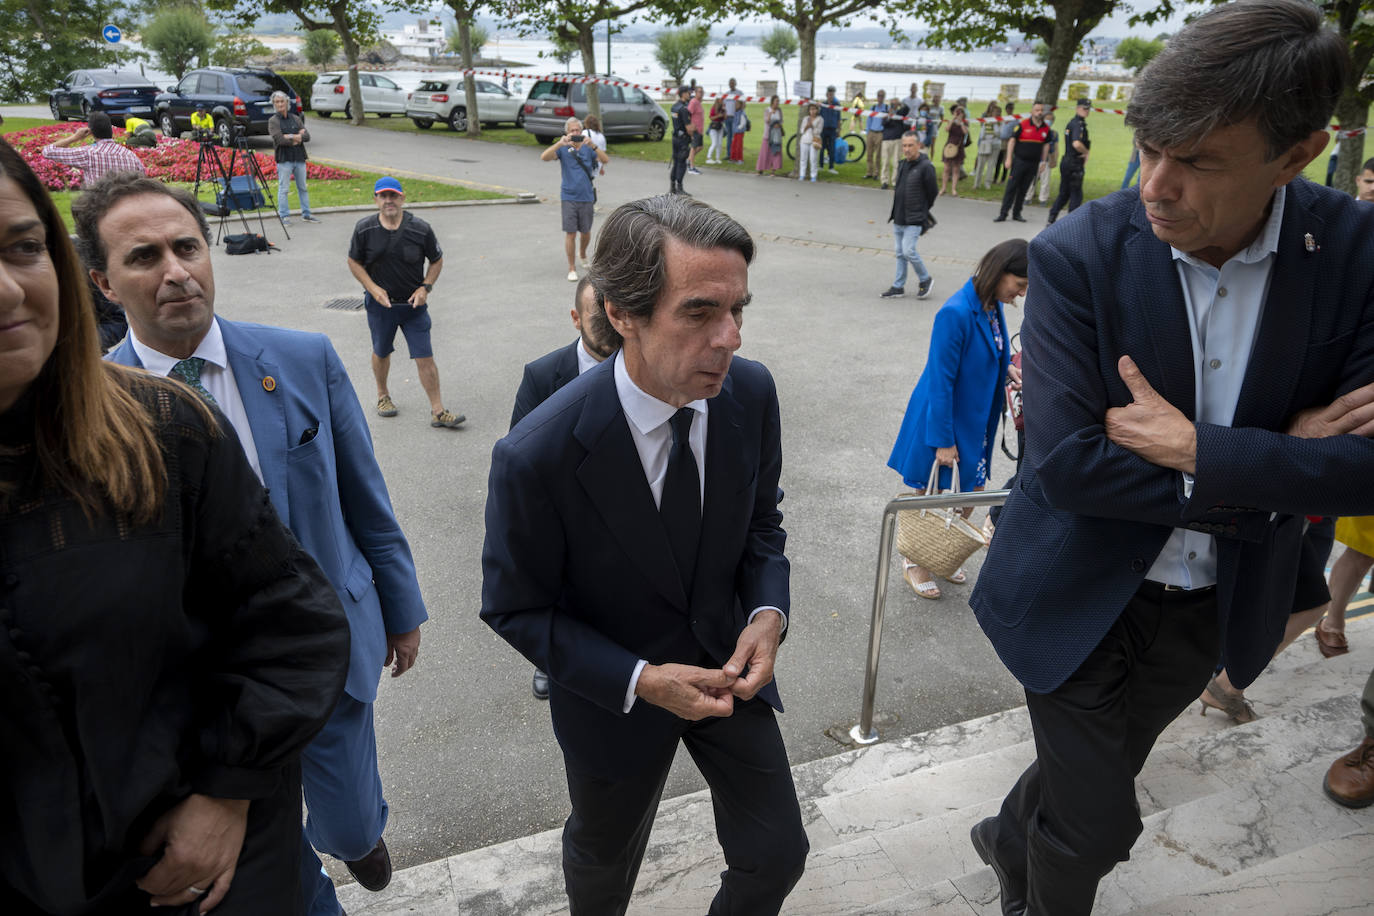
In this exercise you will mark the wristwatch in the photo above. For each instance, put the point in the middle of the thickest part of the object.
(429, 287)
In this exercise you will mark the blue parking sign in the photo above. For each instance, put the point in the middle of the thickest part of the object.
(111, 34)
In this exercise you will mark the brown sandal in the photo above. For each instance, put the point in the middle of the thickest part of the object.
(1330, 642)
(1233, 704)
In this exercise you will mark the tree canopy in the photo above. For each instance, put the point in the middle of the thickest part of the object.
(178, 36)
(321, 46)
(41, 42)
(679, 50)
(479, 36)
(1135, 53)
(780, 45)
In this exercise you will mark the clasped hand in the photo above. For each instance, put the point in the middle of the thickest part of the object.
(200, 840)
(694, 693)
(1150, 426)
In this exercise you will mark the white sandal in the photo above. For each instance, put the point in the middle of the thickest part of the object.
(959, 577)
(923, 589)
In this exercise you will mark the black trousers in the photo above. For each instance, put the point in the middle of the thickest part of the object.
(758, 820)
(1073, 814)
(1022, 174)
(681, 145)
(1070, 190)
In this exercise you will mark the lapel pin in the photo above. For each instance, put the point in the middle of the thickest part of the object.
(1310, 243)
(270, 384)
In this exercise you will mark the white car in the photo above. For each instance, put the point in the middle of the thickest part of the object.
(381, 95)
(445, 99)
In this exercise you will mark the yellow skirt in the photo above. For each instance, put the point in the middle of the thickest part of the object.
(1357, 533)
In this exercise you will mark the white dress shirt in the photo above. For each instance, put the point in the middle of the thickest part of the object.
(648, 418)
(585, 360)
(1224, 311)
(216, 376)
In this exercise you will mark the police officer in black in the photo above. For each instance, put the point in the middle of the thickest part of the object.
(1026, 149)
(682, 140)
(1076, 144)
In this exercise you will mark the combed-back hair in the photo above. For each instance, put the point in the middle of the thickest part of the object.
(1272, 60)
(92, 437)
(1007, 257)
(98, 199)
(630, 267)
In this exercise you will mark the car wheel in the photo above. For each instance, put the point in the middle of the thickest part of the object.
(656, 129)
(323, 114)
(85, 110)
(224, 131)
(348, 110)
(542, 139)
(423, 123)
(383, 114)
(56, 112)
(520, 119)
(458, 119)
(168, 128)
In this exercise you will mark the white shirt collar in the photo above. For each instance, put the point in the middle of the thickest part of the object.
(644, 411)
(585, 360)
(211, 349)
(1265, 244)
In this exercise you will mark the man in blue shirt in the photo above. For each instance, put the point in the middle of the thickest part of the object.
(830, 131)
(873, 139)
(578, 156)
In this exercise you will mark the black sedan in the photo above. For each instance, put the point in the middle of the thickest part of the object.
(118, 93)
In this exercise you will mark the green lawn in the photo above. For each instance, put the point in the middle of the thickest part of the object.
(1106, 166)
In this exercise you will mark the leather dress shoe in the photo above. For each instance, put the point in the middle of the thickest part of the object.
(1013, 899)
(1350, 780)
(372, 871)
(540, 685)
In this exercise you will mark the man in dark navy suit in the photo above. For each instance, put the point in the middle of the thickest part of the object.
(634, 551)
(1185, 348)
(596, 341)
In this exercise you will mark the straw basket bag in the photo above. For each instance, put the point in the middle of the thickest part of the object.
(938, 539)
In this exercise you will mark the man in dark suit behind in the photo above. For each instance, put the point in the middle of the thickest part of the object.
(596, 341)
(634, 551)
(1182, 344)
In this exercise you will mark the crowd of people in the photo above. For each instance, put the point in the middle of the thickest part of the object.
(1180, 471)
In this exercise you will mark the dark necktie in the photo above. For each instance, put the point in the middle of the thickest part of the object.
(188, 370)
(680, 504)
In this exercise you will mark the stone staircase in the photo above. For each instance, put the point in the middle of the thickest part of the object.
(1235, 821)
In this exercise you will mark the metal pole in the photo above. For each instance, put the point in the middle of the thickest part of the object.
(864, 733)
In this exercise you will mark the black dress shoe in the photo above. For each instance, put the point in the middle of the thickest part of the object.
(372, 871)
(1019, 219)
(1013, 899)
(1000, 219)
(541, 685)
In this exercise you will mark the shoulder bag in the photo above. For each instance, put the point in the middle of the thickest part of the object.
(583, 165)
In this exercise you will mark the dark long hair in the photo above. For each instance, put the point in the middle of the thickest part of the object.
(1007, 257)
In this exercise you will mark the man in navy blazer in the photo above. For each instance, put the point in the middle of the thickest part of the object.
(290, 400)
(634, 551)
(596, 341)
(1182, 345)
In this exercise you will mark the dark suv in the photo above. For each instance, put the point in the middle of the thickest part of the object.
(236, 98)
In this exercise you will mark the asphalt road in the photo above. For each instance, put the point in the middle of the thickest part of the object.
(467, 756)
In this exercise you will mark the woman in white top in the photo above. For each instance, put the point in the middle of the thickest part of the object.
(592, 128)
(809, 143)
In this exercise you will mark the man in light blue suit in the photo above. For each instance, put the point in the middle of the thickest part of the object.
(295, 411)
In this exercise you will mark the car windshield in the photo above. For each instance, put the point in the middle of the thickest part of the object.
(546, 90)
(433, 86)
(120, 78)
(262, 84)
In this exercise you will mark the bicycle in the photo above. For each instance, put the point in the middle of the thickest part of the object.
(852, 145)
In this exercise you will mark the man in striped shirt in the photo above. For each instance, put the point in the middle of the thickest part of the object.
(97, 159)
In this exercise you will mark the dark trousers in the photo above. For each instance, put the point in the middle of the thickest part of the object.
(1022, 174)
(758, 820)
(1073, 815)
(828, 137)
(681, 145)
(1070, 190)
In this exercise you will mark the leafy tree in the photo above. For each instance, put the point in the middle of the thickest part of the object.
(966, 25)
(808, 17)
(780, 46)
(321, 46)
(679, 50)
(235, 49)
(1042, 52)
(470, 37)
(478, 35)
(41, 42)
(563, 51)
(178, 35)
(1135, 53)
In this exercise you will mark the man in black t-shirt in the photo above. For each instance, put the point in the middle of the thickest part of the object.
(1076, 145)
(387, 255)
(1027, 148)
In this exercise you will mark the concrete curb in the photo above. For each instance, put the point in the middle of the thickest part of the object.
(524, 198)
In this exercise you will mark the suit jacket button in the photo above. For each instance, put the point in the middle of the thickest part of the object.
(1138, 565)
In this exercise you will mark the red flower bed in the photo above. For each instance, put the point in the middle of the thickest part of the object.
(170, 160)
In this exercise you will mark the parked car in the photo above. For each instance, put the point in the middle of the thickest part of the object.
(118, 93)
(381, 96)
(239, 99)
(445, 99)
(625, 111)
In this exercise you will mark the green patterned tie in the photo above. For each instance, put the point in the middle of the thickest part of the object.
(188, 371)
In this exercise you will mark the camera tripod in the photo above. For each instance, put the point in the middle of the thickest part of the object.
(212, 170)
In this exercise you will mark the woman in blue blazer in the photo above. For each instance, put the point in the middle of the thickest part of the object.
(953, 413)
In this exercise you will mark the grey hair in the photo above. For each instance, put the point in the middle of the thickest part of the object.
(279, 95)
(630, 267)
(1271, 60)
(915, 135)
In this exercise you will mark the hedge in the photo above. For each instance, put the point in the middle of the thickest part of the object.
(301, 81)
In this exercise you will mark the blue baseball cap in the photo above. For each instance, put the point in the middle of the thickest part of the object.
(387, 183)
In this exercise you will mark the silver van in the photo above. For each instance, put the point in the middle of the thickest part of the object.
(625, 111)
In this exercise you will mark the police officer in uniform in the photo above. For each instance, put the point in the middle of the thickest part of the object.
(682, 140)
(1076, 145)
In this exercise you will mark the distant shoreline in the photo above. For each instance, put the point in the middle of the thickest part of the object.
(1096, 76)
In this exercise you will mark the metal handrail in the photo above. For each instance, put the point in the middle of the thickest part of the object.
(864, 733)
